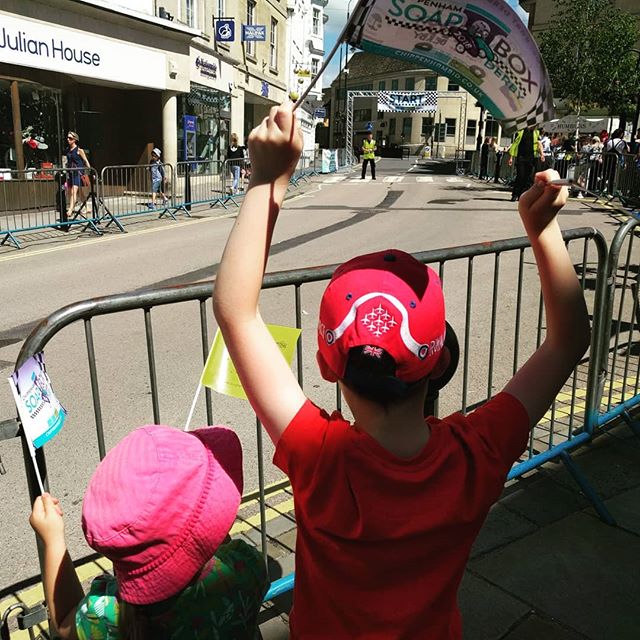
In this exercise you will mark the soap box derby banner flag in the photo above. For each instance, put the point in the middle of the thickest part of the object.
(482, 45)
(411, 102)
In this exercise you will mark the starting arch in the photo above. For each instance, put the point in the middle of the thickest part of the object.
(385, 96)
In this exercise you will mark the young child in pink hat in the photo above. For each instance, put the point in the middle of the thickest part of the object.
(387, 508)
(159, 506)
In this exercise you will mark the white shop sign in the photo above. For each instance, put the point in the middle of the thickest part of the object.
(210, 71)
(48, 46)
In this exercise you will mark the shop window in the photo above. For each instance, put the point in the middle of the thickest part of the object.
(41, 118)
(392, 126)
(471, 129)
(251, 19)
(381, 85)
(431, 83)
(406, 128)
(409, 84)
(212, 110)
(316, 22)
(273, 44)
(450, 124)
(394, 85)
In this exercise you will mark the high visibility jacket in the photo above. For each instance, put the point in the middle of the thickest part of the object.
(513, 149)
(369, 149)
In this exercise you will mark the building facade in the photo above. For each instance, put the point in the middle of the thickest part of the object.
(454, 126)
(128, 75)
(305, 56)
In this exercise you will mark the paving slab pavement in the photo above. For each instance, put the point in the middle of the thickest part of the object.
(544, 565)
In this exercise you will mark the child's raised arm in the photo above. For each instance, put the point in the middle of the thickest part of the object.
(272, 389)
(62, 589)
(538, 381)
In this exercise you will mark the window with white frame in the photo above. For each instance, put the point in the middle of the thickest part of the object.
(316, 22)
(251, 19)
(273, 44)
(190, 12)
(315, 65)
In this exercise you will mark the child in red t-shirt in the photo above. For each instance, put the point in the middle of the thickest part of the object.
(388, 507)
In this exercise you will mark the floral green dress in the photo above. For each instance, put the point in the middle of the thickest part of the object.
(221, 604)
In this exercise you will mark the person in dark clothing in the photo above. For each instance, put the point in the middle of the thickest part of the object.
(484, 158)
(235, 160)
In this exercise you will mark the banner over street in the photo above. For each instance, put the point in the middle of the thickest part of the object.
(482, 45)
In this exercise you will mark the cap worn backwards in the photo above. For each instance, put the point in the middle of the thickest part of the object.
(384, 300)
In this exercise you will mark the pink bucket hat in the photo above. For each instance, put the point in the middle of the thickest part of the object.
(159, 505)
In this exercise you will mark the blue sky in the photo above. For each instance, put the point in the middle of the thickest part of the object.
(337, 12)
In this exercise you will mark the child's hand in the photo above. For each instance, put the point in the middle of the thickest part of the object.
(46, 518)
(540, 204)
(275, 146)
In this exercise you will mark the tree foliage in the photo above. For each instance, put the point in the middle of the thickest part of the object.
(588, 53)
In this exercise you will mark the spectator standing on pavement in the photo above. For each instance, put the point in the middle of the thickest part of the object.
(369, 148)
(76, 178)
(484, 158)
(388, 507)
(614, 151)
(545, 160)
(525, 150)
(159, 506)
(157, 178)
(235, 157)
(593, 153)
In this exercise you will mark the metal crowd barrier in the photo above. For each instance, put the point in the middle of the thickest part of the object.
(619, 339)
(37, 199)
(498, 327)
(202, 182)
(127, 190)
(601, 175)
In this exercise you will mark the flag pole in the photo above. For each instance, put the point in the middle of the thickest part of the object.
(193, 406)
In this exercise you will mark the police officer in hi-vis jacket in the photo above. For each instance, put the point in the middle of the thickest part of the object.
(368, 155)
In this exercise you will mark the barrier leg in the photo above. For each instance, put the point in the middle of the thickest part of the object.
(634, 425)
(170, 213)
(587, 488)
(9, 237)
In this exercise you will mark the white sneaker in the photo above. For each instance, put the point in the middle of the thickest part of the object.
(580, 196)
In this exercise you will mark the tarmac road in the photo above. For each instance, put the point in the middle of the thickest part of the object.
(409, 207)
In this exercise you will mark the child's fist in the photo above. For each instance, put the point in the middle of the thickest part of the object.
(540, 204)
(46, 518)
(275, 146)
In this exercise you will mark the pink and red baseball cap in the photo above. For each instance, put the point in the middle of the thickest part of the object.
(159, 505)
(384, 300)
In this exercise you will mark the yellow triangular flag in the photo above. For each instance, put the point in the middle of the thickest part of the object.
(219, 373)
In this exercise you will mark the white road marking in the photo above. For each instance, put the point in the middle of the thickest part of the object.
(454, 180)
(393, 178)
(367, 179)
(424, 178)
(333, 179)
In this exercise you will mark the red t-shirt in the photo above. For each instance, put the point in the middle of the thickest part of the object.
(382, 542)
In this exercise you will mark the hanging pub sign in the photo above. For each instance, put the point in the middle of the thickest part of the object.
(254, 32)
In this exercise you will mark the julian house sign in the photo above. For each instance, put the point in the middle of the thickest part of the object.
(46, 46)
